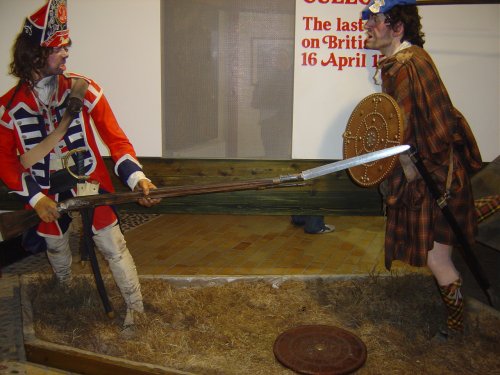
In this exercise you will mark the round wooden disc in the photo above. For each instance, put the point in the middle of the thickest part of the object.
(375, 123)
(320, 349)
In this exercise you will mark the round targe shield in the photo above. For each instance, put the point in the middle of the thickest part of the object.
(376, 123)
(320, 349)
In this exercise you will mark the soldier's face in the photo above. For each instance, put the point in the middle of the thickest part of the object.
(56, 62)
(379, 34)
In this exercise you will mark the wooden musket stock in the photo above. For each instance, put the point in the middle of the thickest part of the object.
(14, 223)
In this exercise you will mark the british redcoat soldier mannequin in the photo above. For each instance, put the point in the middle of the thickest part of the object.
(33, 110)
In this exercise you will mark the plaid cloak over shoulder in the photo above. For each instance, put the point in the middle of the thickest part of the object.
(433, 126)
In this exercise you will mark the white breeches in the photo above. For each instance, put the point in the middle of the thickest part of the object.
(111, 243)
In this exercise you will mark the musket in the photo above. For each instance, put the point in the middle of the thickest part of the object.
(14, 223)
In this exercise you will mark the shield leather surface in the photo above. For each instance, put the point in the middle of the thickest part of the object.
(376, 123)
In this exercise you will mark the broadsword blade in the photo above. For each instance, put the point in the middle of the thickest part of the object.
(352, 162)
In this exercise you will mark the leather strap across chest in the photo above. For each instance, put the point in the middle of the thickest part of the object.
(78, 89)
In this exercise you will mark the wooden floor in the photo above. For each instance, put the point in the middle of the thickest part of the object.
(188, 244)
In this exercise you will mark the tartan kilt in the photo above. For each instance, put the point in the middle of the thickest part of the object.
(415, 221)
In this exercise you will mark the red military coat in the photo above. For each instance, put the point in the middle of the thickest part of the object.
(25, 121)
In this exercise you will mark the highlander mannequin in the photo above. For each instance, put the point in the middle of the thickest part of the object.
(416, 231)
(33, 110)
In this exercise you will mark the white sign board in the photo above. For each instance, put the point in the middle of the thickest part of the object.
(333, 72)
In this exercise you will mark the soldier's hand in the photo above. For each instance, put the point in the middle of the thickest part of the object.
(146, 186)
(46, 209)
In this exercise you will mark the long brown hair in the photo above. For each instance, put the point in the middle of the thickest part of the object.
(409, 17)
(28, 59)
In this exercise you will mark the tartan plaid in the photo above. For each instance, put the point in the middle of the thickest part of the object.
(452, 298)
(414, 220)
(486, 206)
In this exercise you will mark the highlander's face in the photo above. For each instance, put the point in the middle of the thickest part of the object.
(379, 34)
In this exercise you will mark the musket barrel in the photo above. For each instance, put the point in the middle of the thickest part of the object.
(14, 223)
(77, 203)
